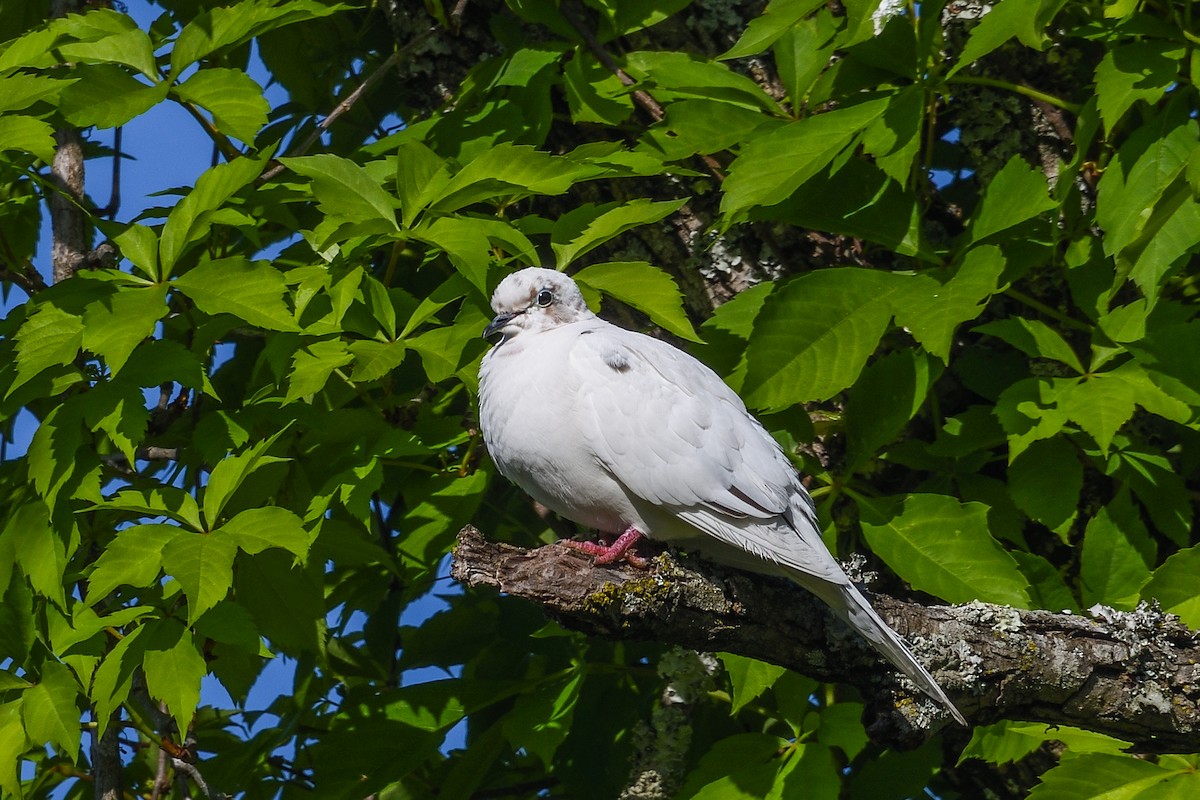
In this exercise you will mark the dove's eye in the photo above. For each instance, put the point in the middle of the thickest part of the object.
(545, 297)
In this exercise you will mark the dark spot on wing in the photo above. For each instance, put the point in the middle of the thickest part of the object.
(617, 360)
(589, 330)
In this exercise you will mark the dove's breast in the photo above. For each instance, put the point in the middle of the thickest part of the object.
(527, 411)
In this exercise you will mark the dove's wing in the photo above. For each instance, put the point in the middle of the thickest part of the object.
(673, 434)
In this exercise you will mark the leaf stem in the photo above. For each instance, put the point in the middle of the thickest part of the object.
(1018, 88)
(1055, 314)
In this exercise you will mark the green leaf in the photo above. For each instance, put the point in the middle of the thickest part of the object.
(107, 96)
(594, 93)
(203, 565)
(676, 75)
(12, 744)
(1117, 552)
(1100, 404)
(541, 719)
(105, 35)
(344, 189)
(464, 243)
(288, 606)
(1006, 20)
(894, 138)
(1034, 338)
(191, 218)
(39, 550)
(886, 396)
(420, 175)
(312, 365)
(51, 712)
(256, 529)
(646, 288)
(373, 360)
(167, 501)
(249, 290)
(814, 334)
(1007, 741)
(1099, 776)
(742, 757)
(173, 676)
(703, 126)
(28, 134)
(115, 325)
(1175, 587)
(225, 27)
(234, 99)
(1135, 71)
(132, 558)
(19, 91)
(1145, 167)
(764, 30)
(1017, 193)
(803, 52)
(931, 307)
(941, 546)
(773, 166)
(228, 475)
(749, 678)
(49, 337)
(587, 227)
(1045, 481)
(511, 170)
(139, 244)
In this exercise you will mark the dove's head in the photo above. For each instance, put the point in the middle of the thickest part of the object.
(532, 300)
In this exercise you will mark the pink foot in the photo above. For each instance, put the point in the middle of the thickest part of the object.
(621, 548)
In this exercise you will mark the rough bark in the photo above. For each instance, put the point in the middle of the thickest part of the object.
(1132, 675)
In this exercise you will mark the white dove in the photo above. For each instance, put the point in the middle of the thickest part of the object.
(621, 432)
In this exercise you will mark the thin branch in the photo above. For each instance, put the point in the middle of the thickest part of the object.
(220, 141)
(1017, 88)
(348, 103)
(114, 196)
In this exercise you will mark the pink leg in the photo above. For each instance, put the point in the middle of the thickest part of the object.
(621, 548)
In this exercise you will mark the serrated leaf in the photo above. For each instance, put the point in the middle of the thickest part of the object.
(814, 334)
(224, 27)
(931, 309)
(1007, 741)
(312, 365)
(749, 677)
(191, 218)
(541, 719)
(249, 290)
(173, 676)
(228, 475)
(674, 75)
(116, 324)
(256, 529)
(203, 565)
(1175, 587)
(107, 96)
(1045, 481)
(139, 244)
(646, 288)
(19, 91)
(464, 243)
(1135, 71)
(1015, 194)
(585, 228)
(1034, 338)
(894, 138)
(420, 175)
(594, 93)
(132, 558)
(233, 98)
(507, 170)
(104, 35)
(12, 744)
(765, 29)
(167, 501)
(373, 360)
(39, 550)
(1006, 20)
(1100, 405)
(28, 134)
(48, 337)
(941, 546)
(1116, 554)
(344, 189)
(774, 165)
(885, 397)
(1099, 776)
(51, 712)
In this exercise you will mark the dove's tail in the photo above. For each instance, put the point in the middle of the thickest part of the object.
(851, 606)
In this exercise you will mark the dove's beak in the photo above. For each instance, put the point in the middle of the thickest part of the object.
(494, 332)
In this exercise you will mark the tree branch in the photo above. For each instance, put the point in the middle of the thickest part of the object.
(1132, 675)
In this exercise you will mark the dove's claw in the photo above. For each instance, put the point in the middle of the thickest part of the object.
(622, 548)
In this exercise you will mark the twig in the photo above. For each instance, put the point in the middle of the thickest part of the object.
(1018, 88)
(183, 767)
(350, 99)
(114, 197)
(220, 140)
